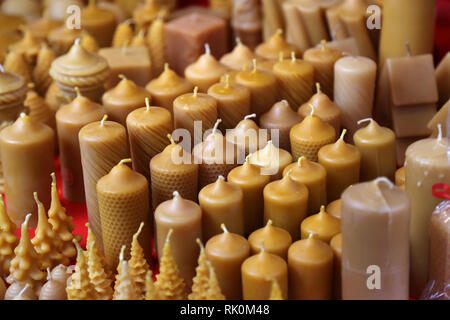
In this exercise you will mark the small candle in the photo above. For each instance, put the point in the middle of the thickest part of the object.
(314, 176)
(272, 239)
(334, 208)
(309, 136)
(167, 87)
(226, 252)
(247, 135)
(323, 225)
(271, 160)
(258, 272)
(100, 23)
(295, 79)
(310, 263)
(206, 71)
(238, 58)
(28, 47)
(27, 158)
(70, 119)
(123, 99)
(184, 217)
(103, 144)
(274, 46)
(283, 118)
(377, 147)
(285, 203)
(221, 202)
(336, 246)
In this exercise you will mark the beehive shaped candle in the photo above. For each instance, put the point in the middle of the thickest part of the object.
(273, 239)
(123, 34)
(274, 46)
(271, 160)
(123, 201)
(100, 23)
(8, 240)
(322, 225)
(80, 68)
(28, 47)
(214, 292)
(201, 279)
(239, 57)
(53, 289)
(309, 136)
(169, 173)
(26, 293)
(38, 108)
(125, 288)
(17, 288)
(138, 263)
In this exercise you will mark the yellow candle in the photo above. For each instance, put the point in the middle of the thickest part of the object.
(334, 208)
(238, 58)
(323, 225)
(247, 136)
(100, 23)
(271, 160)
(272, 239)
(275, 45)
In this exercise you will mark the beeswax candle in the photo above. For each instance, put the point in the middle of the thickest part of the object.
(322, 225)
(273, 239)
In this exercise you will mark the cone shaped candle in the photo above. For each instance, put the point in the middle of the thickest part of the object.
(322, 225)
(239, 57)
(247, 136)
(80, 287)
(271, 160)
(125, 288)
(8, 240)
(201, 279)
(271, 49)
(273, 239)
(138, 263)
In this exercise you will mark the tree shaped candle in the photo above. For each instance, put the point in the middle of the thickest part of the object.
(156, 41)
(53, 289)
(26, 265)
(239, 57)
(125, 287)
(150, 290)
(8, 240)
(201, 279)
(138, 264)
(213, 292)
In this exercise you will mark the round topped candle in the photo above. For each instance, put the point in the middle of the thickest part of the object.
(271, 160)
(247, 135)
(184, 217)
(334, 208)
(233, 102)
(147, 133)
(309, 136)
(100, 23)
(323, 60)
(167, 87)
(226, 252)
(342, 162)
(283, 118)
(27, 157)
(377, 147)
(263, 88)
(205, 71)
(125, 97)
(322, 225)
(272, 239)
(239, 57)
(310, 263)
(221, 202)
(286, 203)
(336, 246)
(276, 44)
(295, 79)
(314, 176)
(324, 108)
(248, 177)
(70, 119)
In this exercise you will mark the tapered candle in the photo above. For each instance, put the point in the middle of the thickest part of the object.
(342, 162)
(271, 160)
(334, 208)
(314, 176)
(247, 135)
(322, 225)
(377, 147)
(286, 203)
(276, 44)
(27, 158)
(336, 246)
(103, 144)
(273, 239)
(184, 217)
(239, 57)
(147, 133)
(70, 119)
(226, 252)
(100, 23)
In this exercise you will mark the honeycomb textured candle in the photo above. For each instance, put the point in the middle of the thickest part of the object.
(156, 40)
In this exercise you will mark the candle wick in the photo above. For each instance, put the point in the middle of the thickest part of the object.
(2, 69)
(253, 115)
(169, 234)
(300, 161)
(439, 137)
(200, 244)
(335, 31)
(122, 252)
(77, 41)
(170, 138)
(77, 90)
(280, 56)
(288, 174)
(138, 232)
(25, 223)
(322, 44)
(408, 49)
(313, 109)
(322, 210)
(122, 76)
(364, 120)
(147, 103)
(166, 66)
(207, 49)
(254, 65)
(279, 32)
(224, 228)
(318, 88)
(25, 288)
(216, 125)
(36, 199)
(247, 158)
(30, 85)
(269, 223)
(238, 41)
(343, 134)
(49, 274)
(293, 58)
(195, 91)
(227, 80)
(312, 235)
(102, 122)
(175, 194)
(378, 190)
(128, 21)
(125, 46)
(123, 161)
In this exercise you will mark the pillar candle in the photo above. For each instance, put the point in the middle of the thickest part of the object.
(426, 164)
(274, 47)
(167, 87)
(375, 220)
(123, 201)
(312, 16)
(322, 225)
(100, 23)
(400, 177)
(336, 246)
(27, 158)
(259, 271)
(286, 203)
(70, 119)
(296, 32)
(354, 86)
(282, 118)
(310, 263)
(334, 208)
(273, 239)
(263, 88)
(167, 175)
(342, 162)
(147, 133)
(226, 252)
(42, 27)
(377, 147)
(103, 144)
(123, 99)
(248, 177)
(271, 160)
(206, 71)
(233, 102)
(309, 136)
(266, 65)
(247, 135)
(221, 202)
(238, 58)
(184, 217)
(323, 60)
(314, 176)
(246, 22)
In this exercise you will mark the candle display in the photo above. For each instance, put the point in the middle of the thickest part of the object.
(272, 239)
(238, 58)
(334, 208)
(247, 135)
(271, 160)
(184, 218)
(100, 23)
(274, 47)
(336, 246)
(53, 289)
(247, 22)
(226, 252)
(322, 225)
(375, 220)
(28, 47)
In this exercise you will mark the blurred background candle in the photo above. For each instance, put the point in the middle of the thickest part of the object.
(322, 225)
(273, 239)
(184, 217)
(247, 22)
(375, 220)
(100, 23)
(226, 252)
(238, 58)
(336, 246)
(274, 46)
(400, 178)
(271, 160)
(342, 162)
(247, 136)
(70, 119)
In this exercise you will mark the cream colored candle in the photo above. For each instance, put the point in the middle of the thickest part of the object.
(271, 160)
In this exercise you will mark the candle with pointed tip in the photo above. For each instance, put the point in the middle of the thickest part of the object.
(273, 239)
(342, 162)
(276, 44)
(221, 202)
(184, 217)
(226, 252)
(239, 57)
(271, 160)
(334, 208)
(286, 203)
(323, 225)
